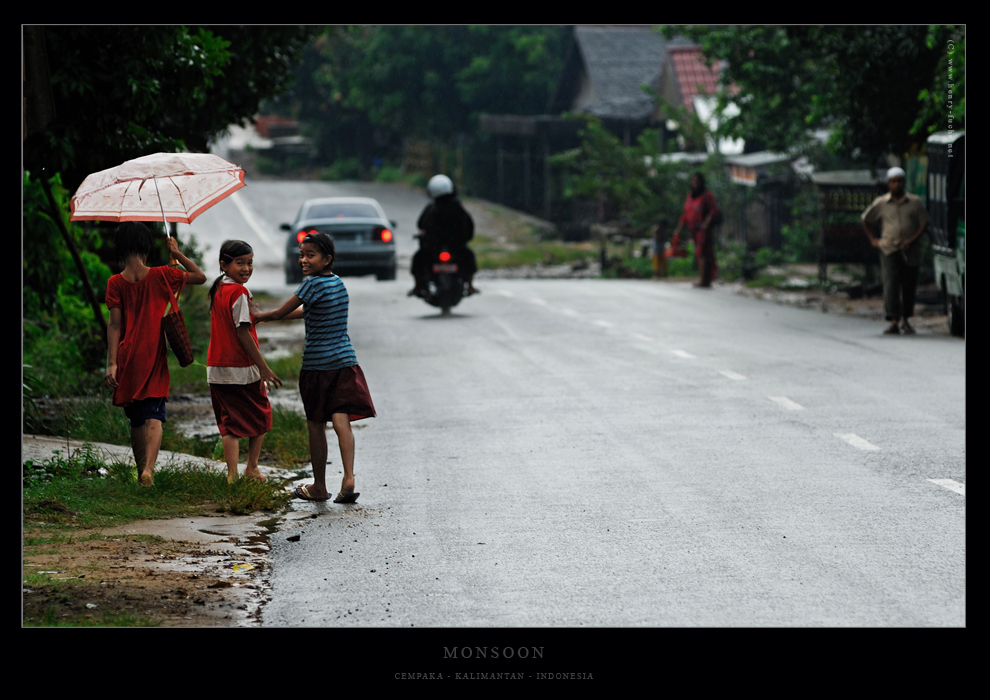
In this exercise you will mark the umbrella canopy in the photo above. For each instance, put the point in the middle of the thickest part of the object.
(175, 186)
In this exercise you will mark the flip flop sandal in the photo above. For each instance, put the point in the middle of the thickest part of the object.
(303, 493)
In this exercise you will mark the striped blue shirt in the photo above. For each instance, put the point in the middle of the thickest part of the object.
(325, 303)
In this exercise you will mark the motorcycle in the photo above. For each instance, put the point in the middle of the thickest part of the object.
(442, 284)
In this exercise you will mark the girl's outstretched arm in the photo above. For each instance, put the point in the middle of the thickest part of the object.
(251, 348)
(291, 309)
(196, 276)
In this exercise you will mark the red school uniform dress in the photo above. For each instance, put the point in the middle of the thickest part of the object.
(142, 366)
(240, 401)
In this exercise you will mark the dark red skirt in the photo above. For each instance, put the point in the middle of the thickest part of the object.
(242, 410)
(328, 391)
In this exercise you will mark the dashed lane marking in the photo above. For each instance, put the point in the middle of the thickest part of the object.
(731, 375)
(786, 403)
(951, 485)
(856, 441)
(682, 353)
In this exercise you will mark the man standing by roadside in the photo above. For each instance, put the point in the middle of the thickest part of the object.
(902, 218)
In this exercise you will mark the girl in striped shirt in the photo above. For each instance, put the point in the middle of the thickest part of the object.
(331, 382)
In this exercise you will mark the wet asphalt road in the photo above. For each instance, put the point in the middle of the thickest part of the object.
(620, 453)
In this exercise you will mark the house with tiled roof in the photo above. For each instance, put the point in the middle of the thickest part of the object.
(688, 81)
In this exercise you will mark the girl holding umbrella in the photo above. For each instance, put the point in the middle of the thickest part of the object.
(137, 368)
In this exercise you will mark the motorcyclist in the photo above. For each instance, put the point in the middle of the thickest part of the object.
(443, 223)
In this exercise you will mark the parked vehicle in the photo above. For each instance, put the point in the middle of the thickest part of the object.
(361, 232)
(946, 192)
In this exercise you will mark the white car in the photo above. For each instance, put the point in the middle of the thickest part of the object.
(361, 232)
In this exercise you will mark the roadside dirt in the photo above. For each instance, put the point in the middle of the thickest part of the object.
(929, 318)
(154, 570)
(201, 570)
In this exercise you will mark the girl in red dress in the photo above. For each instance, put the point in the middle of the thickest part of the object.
(236, 371)
(137, 368)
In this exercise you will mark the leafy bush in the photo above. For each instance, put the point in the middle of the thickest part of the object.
(389, 173)
(342, 169)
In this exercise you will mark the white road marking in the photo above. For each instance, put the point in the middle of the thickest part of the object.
(731, 375)
(644, 338)
(252, 221)
(537, 300)
(604, 324)
(856, 441)
(685, 355)
(570, 312)
(505, 293)
(787, 403)
(951, 485)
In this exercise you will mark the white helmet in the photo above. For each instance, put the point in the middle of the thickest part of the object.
(439, 185)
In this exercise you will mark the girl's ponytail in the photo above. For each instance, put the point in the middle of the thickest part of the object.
(228, 251)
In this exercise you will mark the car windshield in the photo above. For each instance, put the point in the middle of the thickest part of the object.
(342, 210)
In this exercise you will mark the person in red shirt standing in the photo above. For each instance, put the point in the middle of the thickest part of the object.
(237, 373)
(700, 214)
(137, 368)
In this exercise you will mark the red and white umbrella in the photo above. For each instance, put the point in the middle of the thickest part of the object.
(171, 186)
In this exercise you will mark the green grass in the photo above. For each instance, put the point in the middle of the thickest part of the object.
(493, 256)
(52, 618)
(66, 491)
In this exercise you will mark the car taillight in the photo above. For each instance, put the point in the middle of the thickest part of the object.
(386, 235)
(302, 234)
(445, 256)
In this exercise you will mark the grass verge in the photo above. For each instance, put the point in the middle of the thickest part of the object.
(75, 576)
(83, 491)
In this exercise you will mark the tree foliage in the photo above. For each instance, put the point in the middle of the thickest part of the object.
(430, 82)
(635, 183)
(120, 92)
(878, 89)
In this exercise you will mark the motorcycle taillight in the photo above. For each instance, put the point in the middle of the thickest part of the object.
(444, 256)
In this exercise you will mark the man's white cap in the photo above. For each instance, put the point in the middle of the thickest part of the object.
(895, 172)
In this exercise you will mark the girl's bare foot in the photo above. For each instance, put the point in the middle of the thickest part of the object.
(255, 473)
(146, 479)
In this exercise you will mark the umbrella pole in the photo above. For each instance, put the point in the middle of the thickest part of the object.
(171, 261)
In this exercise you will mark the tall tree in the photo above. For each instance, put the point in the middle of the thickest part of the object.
(120, 92)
